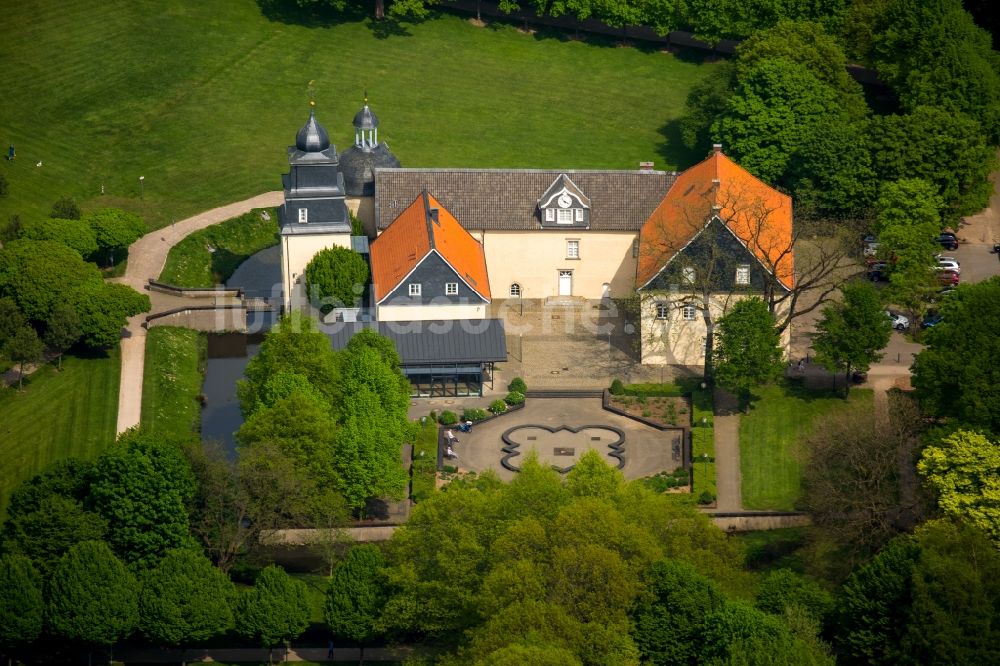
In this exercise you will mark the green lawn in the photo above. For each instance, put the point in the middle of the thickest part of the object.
(173, 375)
(770, 460)
(72, 413)
(201, 99)
(192, 264)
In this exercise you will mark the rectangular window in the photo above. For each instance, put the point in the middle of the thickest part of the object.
(572, 249)
(743, 274)
(414, 289)
(689, 274)
(303, 215)
(565, 216)
(635, 248)
(578, 214)
(550, 215)
(662, 310)
(450, 288)
(689, 312)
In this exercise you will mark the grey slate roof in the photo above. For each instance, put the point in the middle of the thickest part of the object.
(365, 119)
(507, 199)
(313, 137)
(454, 342)
(358, 165)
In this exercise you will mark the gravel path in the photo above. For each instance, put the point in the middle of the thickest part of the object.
(146, 259)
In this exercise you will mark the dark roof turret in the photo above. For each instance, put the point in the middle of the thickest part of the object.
(313, 137)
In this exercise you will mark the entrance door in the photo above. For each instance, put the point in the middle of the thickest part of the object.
(565, 283)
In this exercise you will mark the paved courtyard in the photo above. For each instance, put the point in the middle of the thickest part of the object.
(646, 450)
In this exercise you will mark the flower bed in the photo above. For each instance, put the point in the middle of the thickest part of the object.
(660, 410)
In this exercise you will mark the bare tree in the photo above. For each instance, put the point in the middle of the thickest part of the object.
(856, 466)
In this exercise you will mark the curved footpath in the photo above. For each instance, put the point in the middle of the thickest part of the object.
(146, 258)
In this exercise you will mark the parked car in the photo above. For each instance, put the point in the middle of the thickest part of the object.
(932, 319)
(948, 240)
(949, 265)
(899, 322)
(944, 293)
(877, 270)
(948, 278)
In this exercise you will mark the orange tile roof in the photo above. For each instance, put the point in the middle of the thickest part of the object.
(757, 214)
(412, 235)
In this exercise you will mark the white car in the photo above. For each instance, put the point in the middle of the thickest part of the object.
(899, 322)
(948, 264)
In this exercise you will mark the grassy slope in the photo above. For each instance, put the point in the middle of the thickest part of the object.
(65, 414)
(175, 368)
(201, 99)
(191, 264)
(769, 435)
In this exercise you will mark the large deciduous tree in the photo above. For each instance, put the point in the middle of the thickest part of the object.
(748, 349)
(356, 595)
(93, 597)
(336, 277)
(185, 599)
(62, 329)
(275, 610)
(39, 274)
(77, 234)
(104, 309)
(142, 488)
(964, 470)
(50, 529)
(956, 374)
(852, 334)
(22, 606)
(23, 348)
(294, 345)
(114, 230)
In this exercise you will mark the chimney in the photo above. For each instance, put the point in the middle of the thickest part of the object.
(717, 148)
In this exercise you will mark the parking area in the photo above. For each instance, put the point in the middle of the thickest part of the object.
(547, 425)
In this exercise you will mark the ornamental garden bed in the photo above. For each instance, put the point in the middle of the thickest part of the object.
(659, 410)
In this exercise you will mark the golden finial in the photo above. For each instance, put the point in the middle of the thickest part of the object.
(366, 96)
(311, 87)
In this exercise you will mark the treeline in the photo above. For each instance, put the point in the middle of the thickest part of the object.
(52, 293)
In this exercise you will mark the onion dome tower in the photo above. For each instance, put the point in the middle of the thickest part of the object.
(358, 163)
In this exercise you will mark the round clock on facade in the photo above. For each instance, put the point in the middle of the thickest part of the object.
(564, 201)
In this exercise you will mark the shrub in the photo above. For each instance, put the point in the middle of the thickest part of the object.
(653, 390)
(448, 417)
(517, 385)
(474, 414)
(617, 388)
(514, 398)
(449, 469)
(65, 209)
(706, 497)
(498, 406)
(433, 416)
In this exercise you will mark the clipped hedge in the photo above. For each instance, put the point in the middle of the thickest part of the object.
(651, 390)
(498, 406)
(448, 417)
(517, 385)
(617, 388)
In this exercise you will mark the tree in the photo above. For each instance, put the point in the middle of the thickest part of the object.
(11, 320)
(185, 599)
(852, 333)
(908, 202)
(47, 531)
(955, 374)
(733, 19)
(65, 208)
(962, 470)
(851, 476)
(39, 274)
(356, 595)
(926, 598)
(275, 610)
(748, 350)
(104, 309)
(385, 347)
(75, 233)
(142, 488)
(93, 597)
(336, 277)
(295, 345)
(302, 427)
(62, 329)
(943, 147)
(783, 588)
(592, 477)
(115, 231)
(21, 604)
(220, 508)
(669, 619)
(23, 348)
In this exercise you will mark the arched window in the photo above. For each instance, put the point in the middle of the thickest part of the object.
(515, 290)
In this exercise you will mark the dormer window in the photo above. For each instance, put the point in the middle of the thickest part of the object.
(303, 215)
(564, 203)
